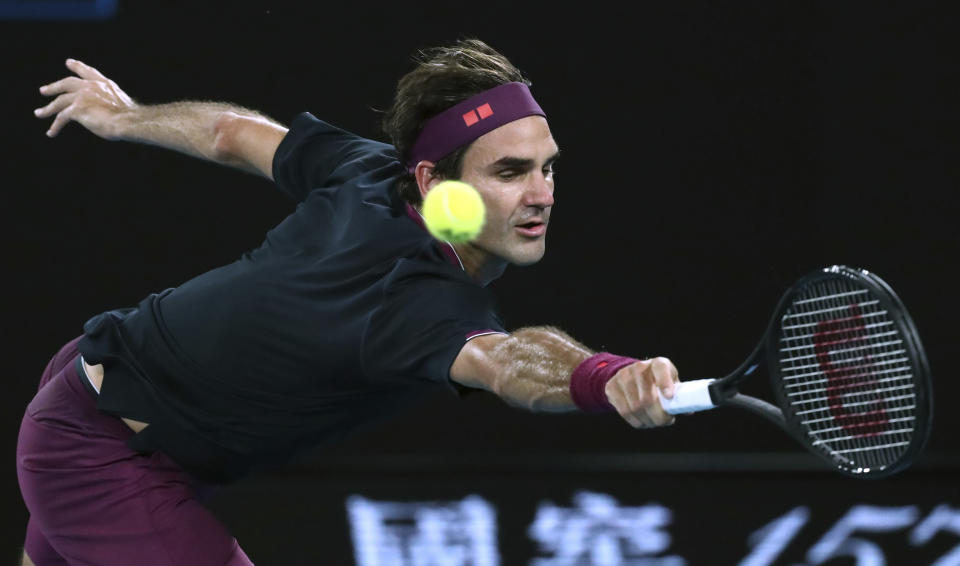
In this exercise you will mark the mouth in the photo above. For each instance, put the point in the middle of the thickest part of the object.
(534, 228)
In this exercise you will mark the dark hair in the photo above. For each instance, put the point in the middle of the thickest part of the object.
(443, 77)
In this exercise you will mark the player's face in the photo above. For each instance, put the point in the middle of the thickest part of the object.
(512, 169)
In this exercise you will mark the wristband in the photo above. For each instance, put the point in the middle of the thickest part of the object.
(588, 381)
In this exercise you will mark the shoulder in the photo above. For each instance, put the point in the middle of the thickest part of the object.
(315, 154)
(308, 129)
(427, 313)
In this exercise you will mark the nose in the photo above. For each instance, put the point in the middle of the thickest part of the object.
(539, 192)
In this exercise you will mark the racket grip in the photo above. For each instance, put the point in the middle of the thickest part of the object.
(688, 397)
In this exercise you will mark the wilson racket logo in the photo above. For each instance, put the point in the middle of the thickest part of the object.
(846, 375)
(861, 419)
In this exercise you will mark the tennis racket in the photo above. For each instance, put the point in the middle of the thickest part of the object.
(847, 369)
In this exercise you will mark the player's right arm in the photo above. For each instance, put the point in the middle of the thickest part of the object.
(222, 133)
(532, 368)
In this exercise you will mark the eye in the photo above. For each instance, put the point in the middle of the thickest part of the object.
(508, 174)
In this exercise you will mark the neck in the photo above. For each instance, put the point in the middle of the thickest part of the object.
(483, 266)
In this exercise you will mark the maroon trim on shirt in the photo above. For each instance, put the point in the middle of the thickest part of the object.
(445, 247)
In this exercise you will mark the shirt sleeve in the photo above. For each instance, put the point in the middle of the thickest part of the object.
(426, 317)
(313, 152)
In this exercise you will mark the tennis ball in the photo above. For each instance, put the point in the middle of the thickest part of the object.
(453, 211)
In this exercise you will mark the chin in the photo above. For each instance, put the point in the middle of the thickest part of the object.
(524, 257)
(527, 262)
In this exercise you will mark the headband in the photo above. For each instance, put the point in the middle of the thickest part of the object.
(461, 124)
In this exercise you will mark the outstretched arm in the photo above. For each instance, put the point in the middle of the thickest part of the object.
(222, 133)
(532, 368)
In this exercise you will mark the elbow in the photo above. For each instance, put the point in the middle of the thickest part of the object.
(224, 136)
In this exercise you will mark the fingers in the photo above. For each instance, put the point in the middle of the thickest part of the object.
(655, 413)
(635, 392)
(619, 397)
(664, 375)
(62, 106)
(68, 84)
(60, 121)
(85, 71)
(89, 98)
(649, 385)
(58, 104)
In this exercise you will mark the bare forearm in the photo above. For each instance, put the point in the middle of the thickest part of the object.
(536, 364)
(532, 368)
(220, 132)
(193, 128)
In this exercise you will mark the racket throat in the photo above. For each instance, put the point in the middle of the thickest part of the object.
(723, 390)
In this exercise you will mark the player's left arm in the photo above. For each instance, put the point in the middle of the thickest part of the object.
(223, 133)
(532, 368)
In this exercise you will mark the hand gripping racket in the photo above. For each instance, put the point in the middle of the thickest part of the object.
(847, 369)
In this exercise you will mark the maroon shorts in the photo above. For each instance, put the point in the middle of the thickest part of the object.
(92, 500)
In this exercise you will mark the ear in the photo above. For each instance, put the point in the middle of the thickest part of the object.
(426, 176)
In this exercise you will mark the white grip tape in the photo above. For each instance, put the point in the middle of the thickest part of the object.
(688, 397)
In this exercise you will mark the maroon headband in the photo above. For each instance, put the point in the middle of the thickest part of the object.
(470, 119)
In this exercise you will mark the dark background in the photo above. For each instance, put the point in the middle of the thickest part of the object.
(711, 156)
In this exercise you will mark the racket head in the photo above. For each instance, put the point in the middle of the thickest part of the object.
(850, 373)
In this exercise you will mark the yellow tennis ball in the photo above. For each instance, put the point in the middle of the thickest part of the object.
(453, 211)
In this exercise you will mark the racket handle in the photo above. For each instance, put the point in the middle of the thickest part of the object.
(688, 397)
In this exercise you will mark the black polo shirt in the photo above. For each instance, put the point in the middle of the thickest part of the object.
(346, 313)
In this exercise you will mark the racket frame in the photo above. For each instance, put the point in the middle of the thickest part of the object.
(725, 390)
(923, 386)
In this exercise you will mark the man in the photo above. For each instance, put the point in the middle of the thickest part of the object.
(348, 312)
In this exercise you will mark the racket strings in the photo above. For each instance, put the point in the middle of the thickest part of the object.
(870, 363)
(846, 375)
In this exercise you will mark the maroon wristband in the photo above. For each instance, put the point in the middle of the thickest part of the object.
(588, 381)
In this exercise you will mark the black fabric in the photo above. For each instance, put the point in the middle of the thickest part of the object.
(84, 379)
(346, 313)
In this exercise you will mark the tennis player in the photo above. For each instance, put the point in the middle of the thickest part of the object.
(347, 313)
